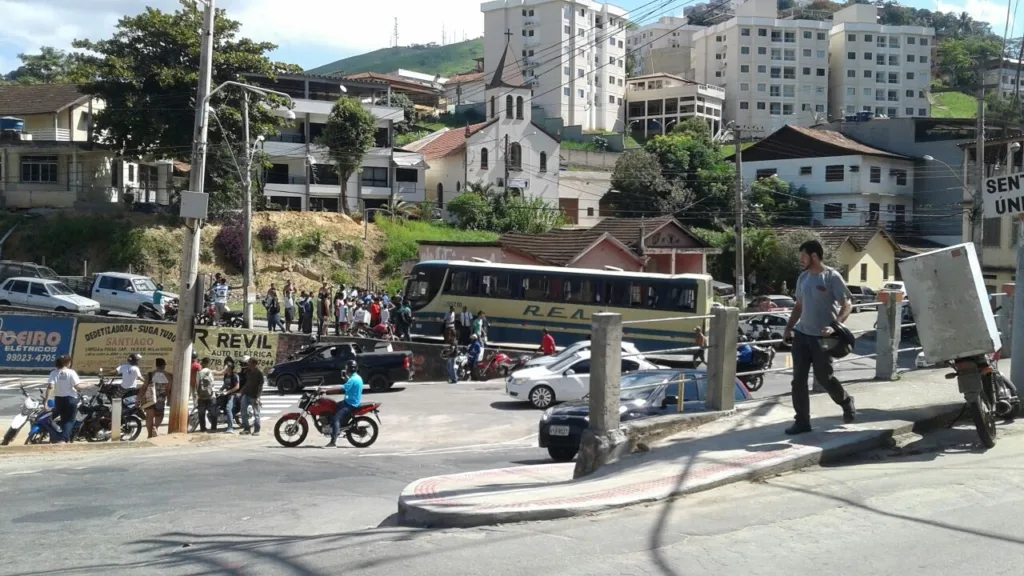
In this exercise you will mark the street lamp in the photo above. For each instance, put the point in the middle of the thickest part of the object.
(249, 290)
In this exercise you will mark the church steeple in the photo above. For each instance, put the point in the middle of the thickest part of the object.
(507, 74)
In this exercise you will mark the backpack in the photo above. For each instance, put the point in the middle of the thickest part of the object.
(204, 388)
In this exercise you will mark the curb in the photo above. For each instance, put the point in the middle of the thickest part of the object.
(80, 447)
(412, 511)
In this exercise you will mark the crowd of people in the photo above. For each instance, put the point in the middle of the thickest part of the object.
(349, 311)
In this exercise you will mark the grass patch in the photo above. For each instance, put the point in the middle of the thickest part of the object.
(402, 239)
(410, 137)
(584, 146)
(305, 244)
(954, 105)
(730, 149)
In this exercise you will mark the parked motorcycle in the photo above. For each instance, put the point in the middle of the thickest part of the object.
(93, 422)
(499, 365)
(361, 430)
(762, 359)
(222, 407)
(30, 410)
(988, 393)
(228, 318)
(167, 313)
(43, 426)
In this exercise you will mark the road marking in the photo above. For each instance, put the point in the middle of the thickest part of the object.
(471, 448)
(23, 472)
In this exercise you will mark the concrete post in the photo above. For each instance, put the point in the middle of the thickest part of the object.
(603, 442)
(722, 352)
(1004, 318)
(887, 334)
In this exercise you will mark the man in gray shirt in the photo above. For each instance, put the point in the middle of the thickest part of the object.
(821, 299)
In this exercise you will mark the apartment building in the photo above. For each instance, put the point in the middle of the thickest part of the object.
(573, 54)
(664, 46)
(656, 102)
(301, 175)
(774, 72)
(885, 70)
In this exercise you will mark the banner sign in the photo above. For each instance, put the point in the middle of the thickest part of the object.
(1004, 195)
(106, 345)
(33, 341)
(221, 343)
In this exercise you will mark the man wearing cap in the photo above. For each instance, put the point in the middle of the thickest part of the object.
(822, 300)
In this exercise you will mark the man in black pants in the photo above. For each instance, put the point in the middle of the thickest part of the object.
(821, 299)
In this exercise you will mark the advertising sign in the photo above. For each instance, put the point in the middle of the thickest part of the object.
(33, 341)
(221, 343)
(107, 345)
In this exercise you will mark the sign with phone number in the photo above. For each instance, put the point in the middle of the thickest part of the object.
(33, 341)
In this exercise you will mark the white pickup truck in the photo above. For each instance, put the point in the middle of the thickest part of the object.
(117, 291)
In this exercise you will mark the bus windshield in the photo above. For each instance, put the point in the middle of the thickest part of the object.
(423, 286)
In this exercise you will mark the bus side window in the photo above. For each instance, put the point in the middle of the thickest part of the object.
(653, 298)
(567, 291)
(616, 292)
(487, 284)
(684, 298)
(636, 295)
(462, 283)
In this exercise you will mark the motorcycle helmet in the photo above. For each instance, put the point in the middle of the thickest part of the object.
(351, 367)
(840, 343)
(134, 359)
(245, 360)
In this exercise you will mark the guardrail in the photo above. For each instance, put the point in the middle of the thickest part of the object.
(893, 342)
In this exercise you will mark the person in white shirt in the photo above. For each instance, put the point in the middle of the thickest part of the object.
(449, 325)
(64, 384)
(220, 298)
(131, 375)
(385, 314)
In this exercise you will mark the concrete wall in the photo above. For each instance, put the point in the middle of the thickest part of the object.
(604, 254)
(604, 161)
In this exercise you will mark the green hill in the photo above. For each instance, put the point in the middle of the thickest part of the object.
(429, 59)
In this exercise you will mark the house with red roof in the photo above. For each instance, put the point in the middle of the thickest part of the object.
(508, 149)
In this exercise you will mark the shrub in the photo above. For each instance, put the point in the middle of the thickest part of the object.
(310, 243)
(268, 237)
(230, 243)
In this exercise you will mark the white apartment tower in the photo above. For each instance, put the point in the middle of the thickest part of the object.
(663, 47)
(885, 70)
(573, 54)
(774, 72)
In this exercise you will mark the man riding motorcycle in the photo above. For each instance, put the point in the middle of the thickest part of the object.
(353, 390)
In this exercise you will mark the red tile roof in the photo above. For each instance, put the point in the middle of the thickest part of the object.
(558, 247)
(451, 141)
(465, 78)
(832, 237)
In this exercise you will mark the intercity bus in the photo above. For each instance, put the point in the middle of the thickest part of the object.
(519, 301)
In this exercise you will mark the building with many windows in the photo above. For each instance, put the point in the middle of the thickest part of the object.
(655, 102)
(1005, 76)
(885, 70)
(664, 46)
(573, 55)
(301, 176)
(774, 72)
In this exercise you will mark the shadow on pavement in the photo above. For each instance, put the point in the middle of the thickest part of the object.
(514, 406)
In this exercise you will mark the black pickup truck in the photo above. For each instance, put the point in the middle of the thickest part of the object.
(326, 361)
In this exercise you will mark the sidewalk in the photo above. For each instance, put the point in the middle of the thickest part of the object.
(747, 445)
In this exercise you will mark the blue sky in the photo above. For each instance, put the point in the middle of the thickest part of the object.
(315, 32)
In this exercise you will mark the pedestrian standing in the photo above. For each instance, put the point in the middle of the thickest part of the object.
(822, 299)
(449, 325)
(547, 343)
(323, 311)
(273, 306)
(478, 326)
(701, 343)
(206, 405)
(308, 308)
(193, 371)
(451, 352)
(289, 305)
(385, 314)
(339, 305)
(467, 326)
(404, 320)
(251, 397)
(63, 385)
(154, 394)
(229, 390)
(221, 291)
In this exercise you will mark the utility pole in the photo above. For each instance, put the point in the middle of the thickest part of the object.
(506, 166)
(181, 361)
(249, 293)
(741, 296)
(977, 227)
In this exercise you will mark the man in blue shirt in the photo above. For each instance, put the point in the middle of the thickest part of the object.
(353, 390)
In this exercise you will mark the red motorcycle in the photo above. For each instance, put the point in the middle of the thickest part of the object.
(499, 365)
(361, 431)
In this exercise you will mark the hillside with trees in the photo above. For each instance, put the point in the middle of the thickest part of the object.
(447, 60)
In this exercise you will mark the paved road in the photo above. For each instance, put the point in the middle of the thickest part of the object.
(944, 508)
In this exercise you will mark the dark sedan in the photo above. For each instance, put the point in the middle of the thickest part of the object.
(643, 394)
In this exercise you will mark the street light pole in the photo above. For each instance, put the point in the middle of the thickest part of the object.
(741, 291)
(248, 291)
(181, 361)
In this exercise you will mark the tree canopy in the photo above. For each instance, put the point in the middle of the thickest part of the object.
(348, 136)
(50, 66)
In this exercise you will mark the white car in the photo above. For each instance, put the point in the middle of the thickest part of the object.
(896, 286)
(628, 348)
(46, 295)
(563, 381)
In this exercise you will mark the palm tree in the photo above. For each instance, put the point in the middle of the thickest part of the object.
(965, 24)
(400, 208)
(484, 189)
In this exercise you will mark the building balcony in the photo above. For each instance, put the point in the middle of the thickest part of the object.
(50, 135)
(531, 41)
(284, 149)
(531, 21)
(287, 138)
